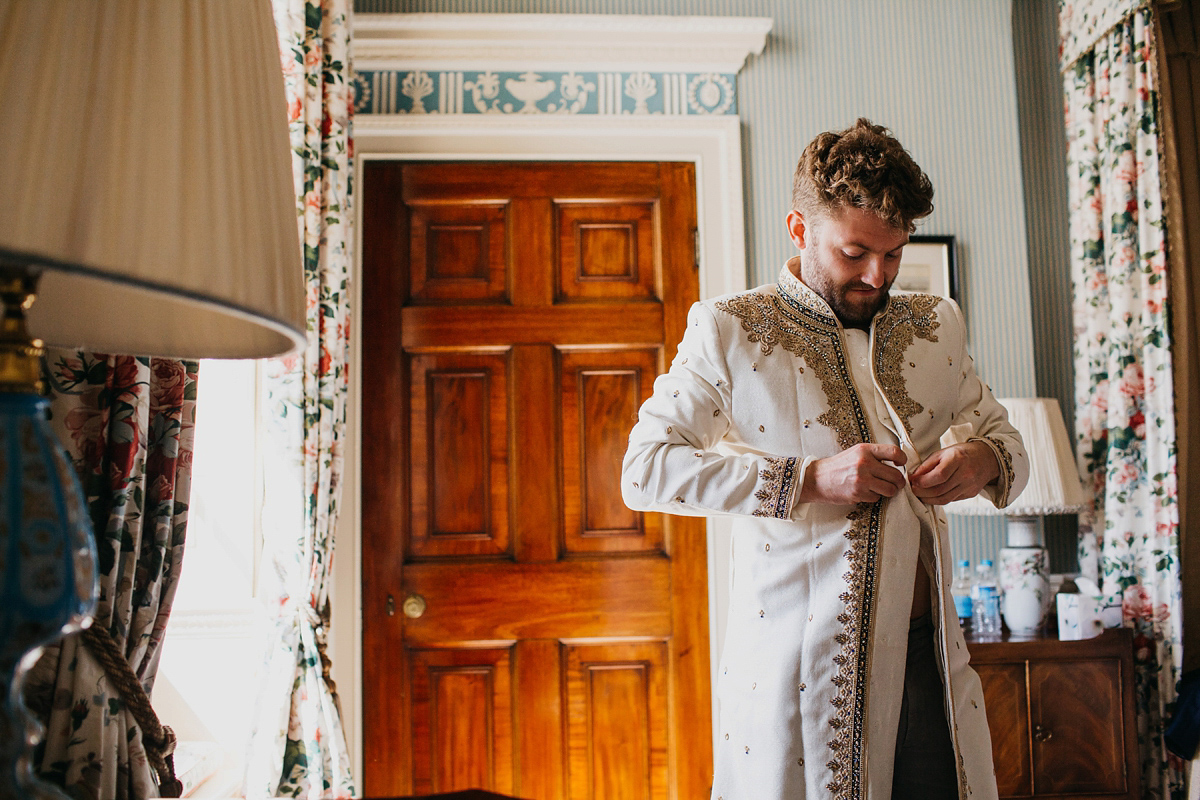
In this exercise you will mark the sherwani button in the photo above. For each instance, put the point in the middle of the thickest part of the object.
(767, 548)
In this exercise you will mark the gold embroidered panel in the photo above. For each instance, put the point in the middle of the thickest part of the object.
(815, 337)
(905, 319)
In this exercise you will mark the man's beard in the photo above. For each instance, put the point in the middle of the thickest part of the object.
(852, 314)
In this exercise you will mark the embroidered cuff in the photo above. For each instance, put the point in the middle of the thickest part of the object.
(777, 494)
(1005, 481)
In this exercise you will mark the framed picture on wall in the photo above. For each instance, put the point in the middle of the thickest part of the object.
(928, 265)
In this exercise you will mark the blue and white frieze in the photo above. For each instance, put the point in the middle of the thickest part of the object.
(469, 92)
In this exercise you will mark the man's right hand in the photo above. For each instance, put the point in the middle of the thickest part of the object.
(856, 475)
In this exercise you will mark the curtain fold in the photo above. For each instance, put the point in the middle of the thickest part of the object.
(1125, 413)
(127, 424)
(298, 747)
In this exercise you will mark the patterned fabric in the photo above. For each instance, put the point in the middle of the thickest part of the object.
(1082, 23)
(1125, 411)
(127, 424)
(298, 747)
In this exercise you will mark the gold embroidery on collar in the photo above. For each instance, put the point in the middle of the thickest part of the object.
(906, 318)
(771, 320)
(797, 291)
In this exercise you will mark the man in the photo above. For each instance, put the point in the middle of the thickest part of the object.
(813, 409)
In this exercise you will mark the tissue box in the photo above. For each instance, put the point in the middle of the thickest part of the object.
(1082, 616)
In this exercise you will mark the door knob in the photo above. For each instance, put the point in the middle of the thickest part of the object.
(1040, 734)
(414, 606)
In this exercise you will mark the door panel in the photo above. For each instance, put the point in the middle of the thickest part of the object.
(458, 252)
(462, 719)
(616, 696)
(514, 318)
(459, 457)
(601, 393)
(606, 250)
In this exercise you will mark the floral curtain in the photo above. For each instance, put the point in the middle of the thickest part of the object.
(298, 748)
(127, 424)
(1125, 415)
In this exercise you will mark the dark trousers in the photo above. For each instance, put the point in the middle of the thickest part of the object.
(926, 767)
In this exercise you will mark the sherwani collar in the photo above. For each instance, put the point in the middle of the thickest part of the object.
(799, 294)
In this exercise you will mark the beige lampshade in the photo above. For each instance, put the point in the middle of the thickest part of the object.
(1053, 486)
(146, 167)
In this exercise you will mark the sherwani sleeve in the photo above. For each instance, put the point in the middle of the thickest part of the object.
(981, 418)
(673, 463)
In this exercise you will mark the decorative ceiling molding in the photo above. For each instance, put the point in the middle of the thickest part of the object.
(556, 42)
(591, 64)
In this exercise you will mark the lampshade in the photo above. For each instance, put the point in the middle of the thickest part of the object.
(1053, 486)
(145, 169)
(149, 207)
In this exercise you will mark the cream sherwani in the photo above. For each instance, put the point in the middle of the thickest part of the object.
(811, 677)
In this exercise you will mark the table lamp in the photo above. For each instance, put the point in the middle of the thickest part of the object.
(149, 208)
(1053, 488)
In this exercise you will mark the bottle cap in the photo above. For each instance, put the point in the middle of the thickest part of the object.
(964, 563)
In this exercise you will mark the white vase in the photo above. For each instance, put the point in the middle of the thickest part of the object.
(1026, 588)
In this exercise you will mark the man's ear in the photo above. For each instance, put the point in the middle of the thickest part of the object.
(797, 228)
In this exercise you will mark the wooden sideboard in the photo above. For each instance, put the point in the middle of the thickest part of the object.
(1061, 715)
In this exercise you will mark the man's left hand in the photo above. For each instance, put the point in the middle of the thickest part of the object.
(954, 473)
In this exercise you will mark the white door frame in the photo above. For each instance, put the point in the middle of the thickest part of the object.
(712, 142)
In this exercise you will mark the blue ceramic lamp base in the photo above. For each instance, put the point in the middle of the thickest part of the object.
(47, 572)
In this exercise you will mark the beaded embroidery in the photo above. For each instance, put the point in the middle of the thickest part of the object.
(906, 318)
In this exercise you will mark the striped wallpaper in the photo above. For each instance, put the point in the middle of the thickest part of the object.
(941, 74)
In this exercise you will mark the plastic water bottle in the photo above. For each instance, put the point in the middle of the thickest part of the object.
(986, 606)
(960, 590)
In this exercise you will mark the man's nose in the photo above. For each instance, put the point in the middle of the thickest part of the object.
(875, 275)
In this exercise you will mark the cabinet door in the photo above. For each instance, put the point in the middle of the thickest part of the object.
(1078, 726)
(1008, 719)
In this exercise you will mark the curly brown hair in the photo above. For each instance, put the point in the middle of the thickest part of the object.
(862, 167)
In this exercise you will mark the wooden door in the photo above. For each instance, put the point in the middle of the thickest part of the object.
(514, 319)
